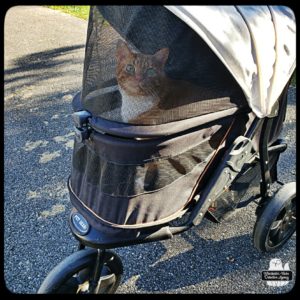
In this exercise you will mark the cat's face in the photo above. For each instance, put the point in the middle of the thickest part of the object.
(140, 74)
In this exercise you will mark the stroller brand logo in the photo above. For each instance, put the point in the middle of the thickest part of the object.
(80, 223)
(277, 275)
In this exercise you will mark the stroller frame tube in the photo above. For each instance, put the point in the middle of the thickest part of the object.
(266, 181)
(216, 183)
(264, 158)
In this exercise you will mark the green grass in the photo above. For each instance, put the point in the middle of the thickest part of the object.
(293, 81)
(80, 11)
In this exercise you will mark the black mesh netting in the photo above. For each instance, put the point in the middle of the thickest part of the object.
(128, 181)
(145, 66)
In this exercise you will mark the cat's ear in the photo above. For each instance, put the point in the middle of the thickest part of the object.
(122, 50)
(162, 55)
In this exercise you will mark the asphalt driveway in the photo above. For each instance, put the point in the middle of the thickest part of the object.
(44, 52)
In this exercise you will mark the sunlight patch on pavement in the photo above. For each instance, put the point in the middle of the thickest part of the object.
(48, 156)
(54, 117)
(65, 139)
(69, 144)
(29, 146)
(33, 195)
(50, 191)
(55, 210)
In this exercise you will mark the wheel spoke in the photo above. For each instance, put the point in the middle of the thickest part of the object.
(275, 228)
(279, 236)
(275, 225)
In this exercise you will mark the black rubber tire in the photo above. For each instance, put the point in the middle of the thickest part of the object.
(61, 281)
(272, 212)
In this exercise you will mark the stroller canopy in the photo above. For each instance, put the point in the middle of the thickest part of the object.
(257, 44)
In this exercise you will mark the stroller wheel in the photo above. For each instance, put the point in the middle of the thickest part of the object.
(74, 273)
(277, 221)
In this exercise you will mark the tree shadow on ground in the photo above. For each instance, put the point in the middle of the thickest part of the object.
(207, 260)
(36, 67)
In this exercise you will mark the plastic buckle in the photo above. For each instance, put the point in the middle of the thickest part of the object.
(81, 134)
(80, 118)
(240, 154)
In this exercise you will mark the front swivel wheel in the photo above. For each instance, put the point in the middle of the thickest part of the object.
(74, 274)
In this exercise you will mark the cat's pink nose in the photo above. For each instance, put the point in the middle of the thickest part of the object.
(138, 77)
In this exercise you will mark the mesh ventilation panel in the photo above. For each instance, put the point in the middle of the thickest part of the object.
(128, 182)
(144, 66)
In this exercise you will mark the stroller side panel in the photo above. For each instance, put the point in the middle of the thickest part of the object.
(132, 188)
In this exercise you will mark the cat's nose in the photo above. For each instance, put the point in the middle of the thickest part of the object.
(138, 77)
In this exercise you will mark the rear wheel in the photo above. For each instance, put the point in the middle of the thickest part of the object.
(74, 274)
(277, 221)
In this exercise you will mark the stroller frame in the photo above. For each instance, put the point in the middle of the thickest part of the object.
(224, 180)
(236, 155)
(225, 173)
(95, 239)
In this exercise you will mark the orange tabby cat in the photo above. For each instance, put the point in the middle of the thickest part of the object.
(147, 93)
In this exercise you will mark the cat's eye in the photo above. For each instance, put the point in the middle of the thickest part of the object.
(151, 72)
(130, 69)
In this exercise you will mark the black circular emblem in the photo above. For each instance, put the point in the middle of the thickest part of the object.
(80, 223)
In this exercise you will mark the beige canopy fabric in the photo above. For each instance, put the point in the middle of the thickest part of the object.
(257, 44)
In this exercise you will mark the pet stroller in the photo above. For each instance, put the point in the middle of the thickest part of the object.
(178, 119)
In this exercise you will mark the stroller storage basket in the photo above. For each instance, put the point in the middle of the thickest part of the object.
(125, 183)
